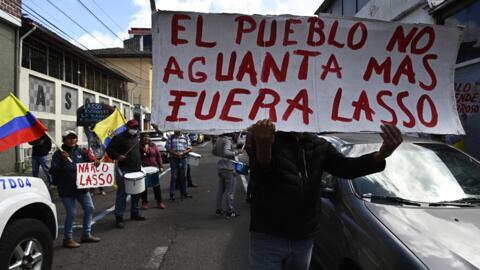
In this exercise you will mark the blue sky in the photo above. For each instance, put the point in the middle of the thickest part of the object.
(120, 15)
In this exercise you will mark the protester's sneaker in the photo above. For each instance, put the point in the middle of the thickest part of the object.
(193, 185)
(137, 217)
(144, 205)
(119, 223)
(219, 212)
(90, 239)
(231, 214)
(70, 243)
(161, 205)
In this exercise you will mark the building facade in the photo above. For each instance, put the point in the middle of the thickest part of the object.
(57, 77)
(136, 59)
(10, 22)
(464, 14)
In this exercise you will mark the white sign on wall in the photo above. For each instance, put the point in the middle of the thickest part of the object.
(89, 176)
(219, 72)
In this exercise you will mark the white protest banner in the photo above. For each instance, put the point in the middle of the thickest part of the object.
(89, 176)
(220, 72)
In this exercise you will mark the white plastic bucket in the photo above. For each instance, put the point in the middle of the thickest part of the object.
(134, 182)
(194, 159)
(152, 176)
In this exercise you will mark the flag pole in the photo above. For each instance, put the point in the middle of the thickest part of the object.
(54, 142)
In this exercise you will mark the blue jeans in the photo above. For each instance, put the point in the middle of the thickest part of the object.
(268, 252)
(38, 161)
(87, 204)
(121, 200)
(177, 166)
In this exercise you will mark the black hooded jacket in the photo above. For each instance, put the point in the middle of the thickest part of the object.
(127, 145)
(64, 173)
(286, 194)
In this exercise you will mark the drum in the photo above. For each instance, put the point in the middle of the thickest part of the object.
(152, 178)
(134, 182)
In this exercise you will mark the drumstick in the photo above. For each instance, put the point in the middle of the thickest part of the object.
(131, 148)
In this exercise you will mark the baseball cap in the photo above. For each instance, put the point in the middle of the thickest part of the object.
(132, 123)
(69, 132)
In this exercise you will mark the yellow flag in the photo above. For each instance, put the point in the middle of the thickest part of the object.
(109, 127)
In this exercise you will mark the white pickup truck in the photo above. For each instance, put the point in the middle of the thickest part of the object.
(28, 223)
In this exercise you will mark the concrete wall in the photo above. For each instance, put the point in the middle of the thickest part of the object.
(7, 83)
(137, 69)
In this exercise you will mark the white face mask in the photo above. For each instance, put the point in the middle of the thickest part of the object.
(132, 131)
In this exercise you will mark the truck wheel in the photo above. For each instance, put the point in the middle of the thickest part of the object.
(26, 244)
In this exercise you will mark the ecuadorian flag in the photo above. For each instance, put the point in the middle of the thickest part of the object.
(113, 125)
(17, 124)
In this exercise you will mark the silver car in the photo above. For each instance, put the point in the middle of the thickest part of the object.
(421, 212)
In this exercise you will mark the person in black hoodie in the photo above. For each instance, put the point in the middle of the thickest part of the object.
(64, 172)
(125, 149)
(40, 149)
(289, 165)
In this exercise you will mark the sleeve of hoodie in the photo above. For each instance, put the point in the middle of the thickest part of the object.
(60, 166)
(227, 149)
(351, 167)
(112, 148)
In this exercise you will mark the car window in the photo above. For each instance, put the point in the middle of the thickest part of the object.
(426, 172)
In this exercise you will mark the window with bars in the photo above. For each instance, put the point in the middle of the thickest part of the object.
(98, 81)
(55, 63)
(64, 65)
(68, 69)
(75, 72)
(104, 84)
(26, 55)
(81, 74)
(90, 78)
(38, 57)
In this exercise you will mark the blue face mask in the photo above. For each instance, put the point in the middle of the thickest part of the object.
(132, 131)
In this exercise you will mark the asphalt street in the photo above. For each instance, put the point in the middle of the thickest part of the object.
(185, 235)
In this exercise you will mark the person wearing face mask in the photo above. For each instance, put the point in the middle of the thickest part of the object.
(64, 170)
(124, 149)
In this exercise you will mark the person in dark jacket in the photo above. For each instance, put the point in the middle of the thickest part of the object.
(151, 158)
(40, 149)
(124, 149)
(289, 166)
(64, 170)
